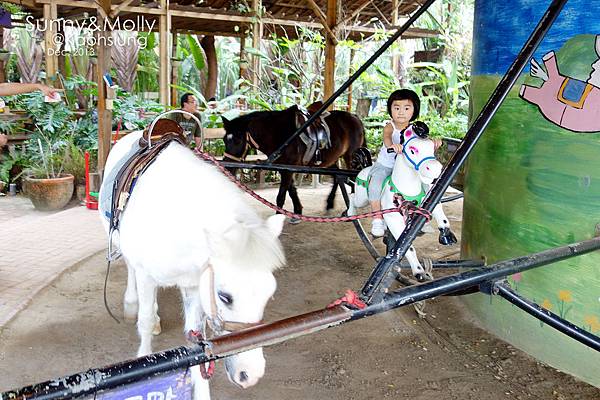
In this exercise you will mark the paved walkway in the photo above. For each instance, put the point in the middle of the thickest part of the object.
(36, 247)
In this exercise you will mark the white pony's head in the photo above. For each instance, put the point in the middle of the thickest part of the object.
(245, 257)
(595, 75)
(419, 153)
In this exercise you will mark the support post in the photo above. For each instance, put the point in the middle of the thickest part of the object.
(257, 33)
(396, 59)
(103, 66)
(329, 76)
(350, 69)
(164, 47)
(50, 14)
(174, 71)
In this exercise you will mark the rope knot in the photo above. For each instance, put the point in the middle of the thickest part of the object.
(350, 300)
(408, 208)
(197, 338)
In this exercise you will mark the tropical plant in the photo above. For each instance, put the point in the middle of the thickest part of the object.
(147, 65)
(29, 54)
(125, 58)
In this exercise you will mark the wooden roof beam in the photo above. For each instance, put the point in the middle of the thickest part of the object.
(116, 10)
(358, 10)
(323, 20)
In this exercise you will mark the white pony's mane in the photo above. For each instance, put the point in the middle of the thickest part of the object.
(261, 250)
(245, 239)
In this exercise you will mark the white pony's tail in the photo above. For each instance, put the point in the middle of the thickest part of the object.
(537, 71)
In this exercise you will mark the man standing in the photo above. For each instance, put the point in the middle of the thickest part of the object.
(189, 124)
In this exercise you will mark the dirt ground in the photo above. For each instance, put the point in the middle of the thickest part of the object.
(393, 355)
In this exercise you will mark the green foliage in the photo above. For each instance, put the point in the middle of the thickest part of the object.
(16, 160)
(147, 69)
(130, 110)
(11, 7)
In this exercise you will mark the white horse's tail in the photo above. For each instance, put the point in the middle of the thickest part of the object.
(537, 71)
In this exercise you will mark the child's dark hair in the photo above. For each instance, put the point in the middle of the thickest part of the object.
(405, 94)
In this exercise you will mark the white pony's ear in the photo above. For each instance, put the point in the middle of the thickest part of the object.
(275, 224)
(237, 234)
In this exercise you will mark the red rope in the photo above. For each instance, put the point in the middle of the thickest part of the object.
(403, 204)
(350, 299)
(196, 338)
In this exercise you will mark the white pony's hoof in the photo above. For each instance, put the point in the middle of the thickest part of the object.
(130, 311)
(157, 329)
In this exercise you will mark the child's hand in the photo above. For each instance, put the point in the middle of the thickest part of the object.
(397, 147)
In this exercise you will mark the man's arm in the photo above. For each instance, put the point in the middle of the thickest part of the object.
(8, 89)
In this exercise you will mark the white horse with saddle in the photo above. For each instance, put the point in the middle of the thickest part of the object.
(187, 225)
(414, 172)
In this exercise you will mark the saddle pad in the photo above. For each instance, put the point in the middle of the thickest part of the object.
(107, 184)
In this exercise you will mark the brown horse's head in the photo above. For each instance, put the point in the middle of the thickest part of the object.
(236, 143)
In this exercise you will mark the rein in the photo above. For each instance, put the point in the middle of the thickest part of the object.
(289, 214)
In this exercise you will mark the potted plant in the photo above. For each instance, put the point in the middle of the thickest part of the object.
(46, 181)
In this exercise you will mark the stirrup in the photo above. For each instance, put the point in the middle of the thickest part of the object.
(112, 255)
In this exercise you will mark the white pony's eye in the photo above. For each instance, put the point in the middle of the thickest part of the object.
(225, 298)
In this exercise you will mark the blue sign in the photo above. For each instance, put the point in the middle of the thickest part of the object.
(172, 386)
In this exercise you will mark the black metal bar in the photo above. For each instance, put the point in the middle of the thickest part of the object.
(447, 264)
(548, 317)
(94, 380)
(477, 276)
(350, 80)
(89, 382)
(452, 198)
(362, 235)
(292, 168)
(383, 275)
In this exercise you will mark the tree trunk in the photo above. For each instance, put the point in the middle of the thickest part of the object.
(208, 44)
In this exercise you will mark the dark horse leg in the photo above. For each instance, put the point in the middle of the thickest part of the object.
(331, 197)
(287, 185)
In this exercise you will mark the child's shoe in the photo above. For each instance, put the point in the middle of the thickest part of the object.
(378, 227)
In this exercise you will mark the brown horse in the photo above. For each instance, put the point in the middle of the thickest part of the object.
(267, 130)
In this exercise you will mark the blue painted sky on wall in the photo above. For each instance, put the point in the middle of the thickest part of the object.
(502, 27)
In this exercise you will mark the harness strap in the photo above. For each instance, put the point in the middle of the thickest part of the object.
(417, 200)
(414, 164)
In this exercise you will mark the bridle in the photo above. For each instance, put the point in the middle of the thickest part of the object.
(217, 324)
(250, 143)
(407, 156)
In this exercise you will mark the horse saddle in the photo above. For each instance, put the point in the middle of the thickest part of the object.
(165, 131)
(316, 137)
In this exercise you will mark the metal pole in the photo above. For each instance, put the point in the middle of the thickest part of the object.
(292, 168)
(383, 274)
(88, 383)
(477, 276)
(275, 155)
(548, 317)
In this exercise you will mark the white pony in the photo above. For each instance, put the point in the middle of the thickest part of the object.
(413, 173)
(187, 225)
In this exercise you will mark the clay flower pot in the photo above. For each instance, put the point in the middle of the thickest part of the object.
(49, 194)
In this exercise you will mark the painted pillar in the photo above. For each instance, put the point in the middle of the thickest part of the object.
(533, 181)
